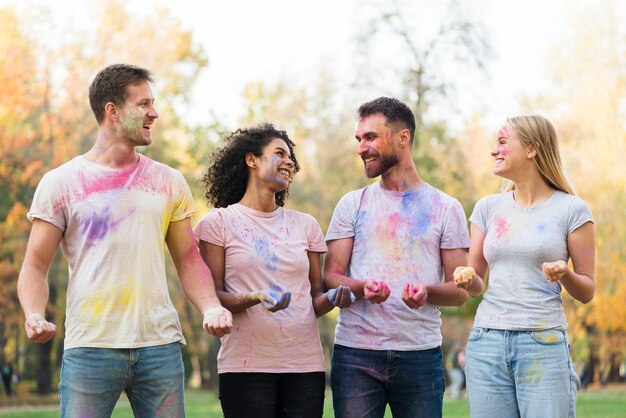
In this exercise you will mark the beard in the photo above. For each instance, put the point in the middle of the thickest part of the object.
(382, 164)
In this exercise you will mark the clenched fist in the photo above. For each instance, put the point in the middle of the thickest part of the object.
(464, 277)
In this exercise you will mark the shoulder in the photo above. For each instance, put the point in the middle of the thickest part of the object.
(301, 217)
(161, 167)
(491, 200)
(442, 198)
(65, 171)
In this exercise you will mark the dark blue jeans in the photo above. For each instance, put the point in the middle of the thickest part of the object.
(270, 395)
(365, 381)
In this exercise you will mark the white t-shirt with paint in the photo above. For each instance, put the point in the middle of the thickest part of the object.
(114, 223)
(517, 242)
(398, 238)
(263, 248)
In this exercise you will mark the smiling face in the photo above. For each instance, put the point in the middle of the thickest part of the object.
(376, 145)
(138, 114)
(511, 155)
(275, 165)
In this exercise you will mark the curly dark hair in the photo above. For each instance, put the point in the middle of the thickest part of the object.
(227, 177)
(393, 109)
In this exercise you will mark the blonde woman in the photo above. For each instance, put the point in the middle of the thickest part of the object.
(517, 358)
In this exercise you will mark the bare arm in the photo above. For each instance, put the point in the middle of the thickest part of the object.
(477, 262)
(336, 265)
(579, 282)
(195, 277)
(32, 284)
(321, 304)
(214, 257)
(448, 294)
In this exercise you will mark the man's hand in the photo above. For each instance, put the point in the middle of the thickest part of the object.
(38, 329)
(217, 321)
(273, 299)
(341, 297)
(464, 277)
(376, 291)
(414, 297)
(555, 270)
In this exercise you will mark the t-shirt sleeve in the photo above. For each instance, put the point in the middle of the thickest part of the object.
(578, 214)
(48, 203)
(183, 200)
(315, 236)
(479, 215)
(455, 233)
(342, 224)
(211, 228)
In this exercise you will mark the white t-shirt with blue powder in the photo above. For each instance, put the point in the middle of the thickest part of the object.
(398, 238)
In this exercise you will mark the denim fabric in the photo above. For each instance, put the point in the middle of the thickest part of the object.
(269, 395)
(365, 381)
(92, 380)
(520, 374)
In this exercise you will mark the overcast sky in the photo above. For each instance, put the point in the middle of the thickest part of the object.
(248, 40)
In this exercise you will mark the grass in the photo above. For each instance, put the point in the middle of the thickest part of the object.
(608, 402)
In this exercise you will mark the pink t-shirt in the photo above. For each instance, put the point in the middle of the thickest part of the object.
(261, 248)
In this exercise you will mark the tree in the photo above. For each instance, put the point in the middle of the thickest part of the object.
(586, 67)
(45, 120)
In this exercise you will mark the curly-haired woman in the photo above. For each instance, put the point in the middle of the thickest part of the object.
(265, 261)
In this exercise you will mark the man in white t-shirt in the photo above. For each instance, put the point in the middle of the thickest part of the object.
(112, 211)
(396, 244)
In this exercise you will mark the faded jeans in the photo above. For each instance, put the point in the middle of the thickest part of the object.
(92, 380)
(512, 374)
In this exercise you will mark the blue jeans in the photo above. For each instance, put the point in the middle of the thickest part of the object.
(92, 380)
(365, 381)
(520, 373)
(271, 395)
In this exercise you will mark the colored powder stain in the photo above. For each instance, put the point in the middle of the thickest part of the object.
(541, 228)
(502, 228)
(534, 373)
(111, 181)
(168, 406)
(547, 336)
(263, 250)
(132, 121)
(503, 151)
(503, 132)
(101, 303)
(420, 223)
(99, 225)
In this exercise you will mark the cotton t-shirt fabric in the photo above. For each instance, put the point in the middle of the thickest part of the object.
(398, 238)
(114, 223)
(517, 242)
(263, 248)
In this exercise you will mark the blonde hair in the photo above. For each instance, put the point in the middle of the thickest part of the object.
(537, 132)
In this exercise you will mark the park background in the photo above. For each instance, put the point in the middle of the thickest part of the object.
(462, 66)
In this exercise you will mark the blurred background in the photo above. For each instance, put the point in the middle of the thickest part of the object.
(462, 66)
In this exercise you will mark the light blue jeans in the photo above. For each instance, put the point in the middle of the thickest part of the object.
(92, 380)
(512, 374)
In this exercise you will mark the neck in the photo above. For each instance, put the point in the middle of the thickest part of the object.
(261, 200)
(401, 177)
(111, 152)
(529, 194)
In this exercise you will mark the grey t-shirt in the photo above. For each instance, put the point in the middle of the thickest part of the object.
(517, 242)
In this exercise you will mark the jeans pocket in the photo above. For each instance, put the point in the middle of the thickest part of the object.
(548, 337)
(476, 334)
